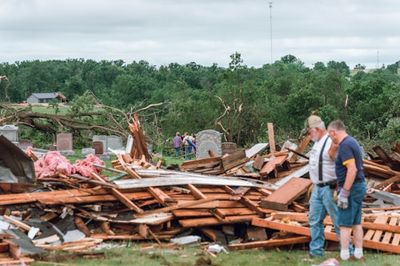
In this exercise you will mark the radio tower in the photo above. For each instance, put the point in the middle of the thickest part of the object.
(270, 28)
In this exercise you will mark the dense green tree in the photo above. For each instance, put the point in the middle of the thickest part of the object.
(238, 100)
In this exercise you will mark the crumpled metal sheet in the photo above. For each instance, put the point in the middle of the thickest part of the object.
(20, 166)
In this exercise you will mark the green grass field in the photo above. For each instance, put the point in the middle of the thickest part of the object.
(195, 256)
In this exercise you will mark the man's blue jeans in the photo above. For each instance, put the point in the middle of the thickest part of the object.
(321, 204)
(177, 152)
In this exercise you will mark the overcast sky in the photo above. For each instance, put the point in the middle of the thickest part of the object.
(201, 31)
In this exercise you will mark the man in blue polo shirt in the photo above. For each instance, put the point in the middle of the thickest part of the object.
(351, 182)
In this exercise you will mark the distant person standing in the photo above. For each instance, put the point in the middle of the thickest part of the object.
(194, 143)
(177, 143)
(351, 182)
(188, 143)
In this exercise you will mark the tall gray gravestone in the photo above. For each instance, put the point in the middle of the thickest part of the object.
(115, 143)
(208, 140)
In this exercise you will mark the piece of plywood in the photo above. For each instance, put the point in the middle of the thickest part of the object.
(272, 164)
(232, 160)
(258, 162)
(259, 147)
(285, 195)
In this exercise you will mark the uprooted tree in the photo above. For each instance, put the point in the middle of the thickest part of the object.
(85, 114)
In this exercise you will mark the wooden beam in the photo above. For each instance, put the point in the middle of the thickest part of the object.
(195, 192)
(126, 201)
(272, 164)
(17, 223)
(177, 206)
(270, 243)
(214, 221)
(300, 230)
(157, 193)
(271, 138)
(302, 146)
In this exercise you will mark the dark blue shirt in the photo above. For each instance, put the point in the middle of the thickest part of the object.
(349, 150)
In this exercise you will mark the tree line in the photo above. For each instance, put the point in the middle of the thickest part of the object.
(237, 100)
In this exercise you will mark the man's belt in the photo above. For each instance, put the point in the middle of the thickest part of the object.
(332, 184)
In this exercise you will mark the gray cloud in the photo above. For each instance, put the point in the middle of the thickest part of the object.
(164, 31)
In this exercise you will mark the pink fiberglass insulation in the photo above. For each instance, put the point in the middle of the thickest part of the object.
(53, 163)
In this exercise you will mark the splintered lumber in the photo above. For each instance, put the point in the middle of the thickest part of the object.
(188, 223)
(302, 146)
(126, 201)
(380, 171)
(206, 212)
(157, 193)
(298, 173)
(271, 137)
(385, 196)
(179, 205)
(129, 237)
(256, 149)
(11, 261)
(270, 243)
(281, 198)
(139, 147)
(272, 164)
(258, 162)
(386, 158)
(17, 223)
(80, 224)
(376, 225)
(232, 160)
(196, 192)
(192, 213)
(374, 243)
(206, 163)
(176, 180)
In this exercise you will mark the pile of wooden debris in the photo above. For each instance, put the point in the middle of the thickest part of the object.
(255, 198)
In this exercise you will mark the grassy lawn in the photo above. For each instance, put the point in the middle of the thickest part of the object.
(78, 156)
(62, 110)
(171, 160)
(195, 256)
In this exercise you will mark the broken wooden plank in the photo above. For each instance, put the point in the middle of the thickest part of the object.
(126, 201)
(258, 148)
(302, 146)
(271, 138)
(300, 230)
(200, 163)
(214, 221)
(196, 193)
(298, 173)
(272, 164)
(17, 223)
(232, 160)
(285, 195)
(183, 180)
(270, 243)
(258, 162)
(157, 193)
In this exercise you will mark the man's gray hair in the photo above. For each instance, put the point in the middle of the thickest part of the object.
(321, 125)
(337, 125)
